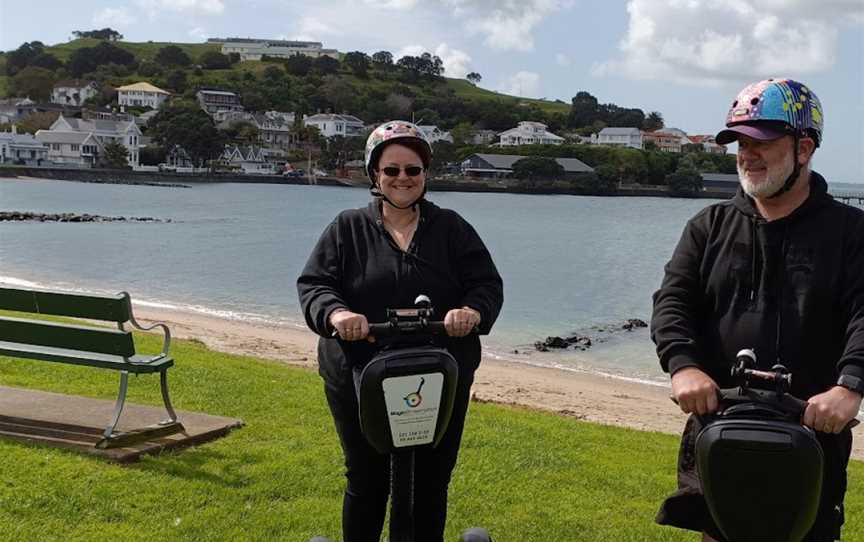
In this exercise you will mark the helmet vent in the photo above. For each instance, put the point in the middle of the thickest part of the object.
(754, 101)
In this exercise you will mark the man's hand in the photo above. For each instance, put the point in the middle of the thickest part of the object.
(461, 322)
(829, 412)
(349, 325)
(694, 391)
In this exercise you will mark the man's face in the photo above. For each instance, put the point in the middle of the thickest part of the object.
(764, 166)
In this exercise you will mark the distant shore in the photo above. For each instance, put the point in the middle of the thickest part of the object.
(173, 179)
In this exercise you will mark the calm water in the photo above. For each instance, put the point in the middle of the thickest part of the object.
(568, 263)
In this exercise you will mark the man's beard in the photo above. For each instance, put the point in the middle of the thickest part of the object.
(774, 181)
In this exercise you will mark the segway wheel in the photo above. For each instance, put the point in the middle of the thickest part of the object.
(320, 539)
(475, 535)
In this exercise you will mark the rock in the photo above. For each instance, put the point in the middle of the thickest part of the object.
(632, 323)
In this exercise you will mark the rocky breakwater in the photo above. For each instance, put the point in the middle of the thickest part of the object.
(26, 216)
(578, 341)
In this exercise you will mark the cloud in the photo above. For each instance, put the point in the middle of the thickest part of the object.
(455, 62)
(391, 4)
(410, 50)
(312, 29)
(523, 83)
(711, 41)
(507, 24)
(113, 17)
(200, 7)
(198, 33)
(562, 60)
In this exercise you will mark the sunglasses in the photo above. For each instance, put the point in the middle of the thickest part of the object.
(411, 171)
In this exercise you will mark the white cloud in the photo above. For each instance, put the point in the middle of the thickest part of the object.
(711, 41)
(113, 17)
(562, 60)
(391, 4)
(198, 33)
(507, 24)
(524, 83)
(312, 28)
(455, 62)
(410, 50)
(201, 7)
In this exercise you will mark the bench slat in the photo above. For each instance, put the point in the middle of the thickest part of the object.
(53, 334)
(136, 365)
(109, 308)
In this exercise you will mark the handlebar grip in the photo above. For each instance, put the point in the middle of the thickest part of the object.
(389, 329)
(381, 330)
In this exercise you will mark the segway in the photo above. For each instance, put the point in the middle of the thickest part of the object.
(406, 395)
(760, 468)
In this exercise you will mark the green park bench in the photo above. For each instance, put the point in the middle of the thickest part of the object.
(87, 345)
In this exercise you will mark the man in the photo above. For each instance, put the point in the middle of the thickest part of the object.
(780, 269)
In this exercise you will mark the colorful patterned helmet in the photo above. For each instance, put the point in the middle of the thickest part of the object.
(388, 133)
(771, 108)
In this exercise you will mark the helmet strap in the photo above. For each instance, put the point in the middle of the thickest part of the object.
(796, 171)
(373, 189)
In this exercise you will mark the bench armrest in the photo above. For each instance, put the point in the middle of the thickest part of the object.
(166, 342)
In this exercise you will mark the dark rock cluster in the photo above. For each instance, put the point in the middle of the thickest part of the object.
(71, 217)
(584, 342)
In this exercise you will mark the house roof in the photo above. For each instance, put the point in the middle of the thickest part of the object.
(20, 140)
(73, 83)
(98, 125)
(217, 92)
(143, 87)
(619, 131)
(53, 136)
(520, 129)
(506, 161)
(332, 117)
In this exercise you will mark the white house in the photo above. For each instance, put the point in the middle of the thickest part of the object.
(248, 159)
(80, 149)
(274, 127)
(434, 134)
(620, 137)
(22, 149)
(142, 95)
(254, 49)
(336, 125)
(125, 132)
(529, 133)
(709, 144)
(215, 101)
(74, 92)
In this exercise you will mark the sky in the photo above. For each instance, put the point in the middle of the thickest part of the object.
(684, 58)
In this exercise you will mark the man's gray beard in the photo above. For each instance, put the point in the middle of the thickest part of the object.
(770, 186)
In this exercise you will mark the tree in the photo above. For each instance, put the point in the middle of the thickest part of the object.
(358, 62)
(183, 124)
(298, 65)
(383, 59)
(233, 58)
(151, 155)
(273, 73)
(584, 109)
(115, 155)
(325, 65)
(37, 83)
(47, 61)
(654, 121)
(684, 182)
(474, 78)
(536, 168)
(20, 58)
(214, 60)
(172, 55)
(88, 59)
(242, 132)
(463, 134)
(340, 93)
(104, 34)
(177, 81)
(33, 122)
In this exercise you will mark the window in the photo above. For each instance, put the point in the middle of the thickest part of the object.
(75, 147)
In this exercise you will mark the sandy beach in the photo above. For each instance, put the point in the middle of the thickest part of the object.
(583, 395)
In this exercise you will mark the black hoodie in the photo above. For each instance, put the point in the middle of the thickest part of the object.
(792, 289)
(356, 265)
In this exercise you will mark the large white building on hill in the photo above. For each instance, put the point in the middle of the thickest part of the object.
(254, 49)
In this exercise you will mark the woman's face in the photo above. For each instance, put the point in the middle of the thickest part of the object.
(400, 187)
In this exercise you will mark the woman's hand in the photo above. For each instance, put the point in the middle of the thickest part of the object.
(461, 322)
(349, 325)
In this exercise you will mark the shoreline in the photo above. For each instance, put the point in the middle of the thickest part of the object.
(591, 397)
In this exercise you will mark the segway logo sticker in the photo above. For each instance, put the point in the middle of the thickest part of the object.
(413, 416)
(414, 399)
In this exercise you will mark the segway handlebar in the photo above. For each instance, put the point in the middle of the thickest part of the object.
(402, 328)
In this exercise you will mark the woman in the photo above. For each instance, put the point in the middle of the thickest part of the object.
(383, 256)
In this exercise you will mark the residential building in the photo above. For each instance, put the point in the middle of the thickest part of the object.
(484, 137)
(125, 132)
(529, 133)
(434, 134)
(254, 49)
(213, 101)
(620, 137)
(247, 159)
(74, 92)
(275, 128)
(142, 94)
(501, 165)
(708, 143)
(10, 110)
(67, 148)
(21, 149)
(336, 125)
(663, 141)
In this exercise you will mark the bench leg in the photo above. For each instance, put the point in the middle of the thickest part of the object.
(163, 380)
(118, 406)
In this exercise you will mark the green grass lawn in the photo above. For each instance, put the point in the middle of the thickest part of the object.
(525, 475)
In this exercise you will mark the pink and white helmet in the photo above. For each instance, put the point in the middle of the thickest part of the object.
(389, 132)
(771, 108)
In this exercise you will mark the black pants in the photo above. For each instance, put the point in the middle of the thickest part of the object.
(368, 472)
